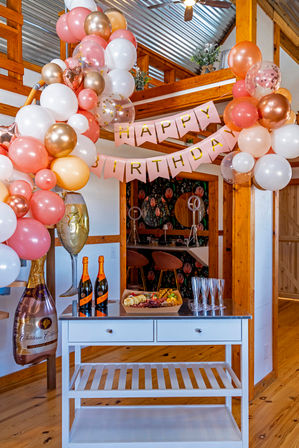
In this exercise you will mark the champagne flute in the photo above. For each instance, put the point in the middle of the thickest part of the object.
(73, 232)
(220, 287)
(204, 293)
(213, 288)
(196, 291)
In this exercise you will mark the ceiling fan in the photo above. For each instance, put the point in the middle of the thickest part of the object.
(189, 5)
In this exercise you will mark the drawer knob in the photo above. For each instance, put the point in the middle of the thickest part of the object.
(109, 331)
(198, 330)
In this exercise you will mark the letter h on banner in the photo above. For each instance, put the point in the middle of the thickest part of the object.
(124, 134)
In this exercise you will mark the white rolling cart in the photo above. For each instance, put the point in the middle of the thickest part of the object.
(200, 426)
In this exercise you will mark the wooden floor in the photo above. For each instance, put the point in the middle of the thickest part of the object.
(30, 417)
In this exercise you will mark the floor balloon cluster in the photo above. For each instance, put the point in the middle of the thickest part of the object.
(54, 143)
(261, 113)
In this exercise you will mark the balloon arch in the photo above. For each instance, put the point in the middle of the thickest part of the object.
(54, 143)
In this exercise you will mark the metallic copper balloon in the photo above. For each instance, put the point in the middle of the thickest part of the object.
(60, 139)
(98, 23)
(273, 110)
(117, 19)
(73, 77)
(7, 133)
(94, 81)
(52, 73)
(19, 204)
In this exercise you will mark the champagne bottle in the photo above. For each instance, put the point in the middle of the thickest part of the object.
(35, 325)
(101, 287)
(85, 288)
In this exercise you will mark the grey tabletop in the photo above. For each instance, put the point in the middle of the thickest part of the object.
(116, 311)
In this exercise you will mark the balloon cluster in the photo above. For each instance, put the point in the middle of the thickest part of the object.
(54, 143)
(261, 113)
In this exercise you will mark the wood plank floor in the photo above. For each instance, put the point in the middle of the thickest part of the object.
(30, 417)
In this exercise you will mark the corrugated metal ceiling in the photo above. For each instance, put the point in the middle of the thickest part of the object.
(163, 30)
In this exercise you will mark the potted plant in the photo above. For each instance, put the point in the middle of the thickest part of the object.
(141, 79)
(205, 57)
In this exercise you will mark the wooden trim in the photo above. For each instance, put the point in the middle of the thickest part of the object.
(213, 229)
(227, 238)
(264, 383)
(12, 86)
(199, 176)
(294, 181)
(8, 64)
(10, 14)
(289, 47)
(275, 273)
(123, 235)
(160, 232)
(6, 109)
(97, 239)
(33, 67)
(276, 49)
(285, 296)
(50, 270)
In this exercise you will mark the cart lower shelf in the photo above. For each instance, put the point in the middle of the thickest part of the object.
(161, 426)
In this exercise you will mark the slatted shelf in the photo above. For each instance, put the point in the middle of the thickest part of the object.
(205, 379)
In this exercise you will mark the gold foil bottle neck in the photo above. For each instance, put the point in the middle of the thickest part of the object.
(36, 276)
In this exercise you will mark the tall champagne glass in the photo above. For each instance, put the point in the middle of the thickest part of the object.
(73, 232)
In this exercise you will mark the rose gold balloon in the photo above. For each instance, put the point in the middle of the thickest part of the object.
(291, 118)
(285, 92)
(98, 23)
(243, 56)
(60, 139)
(273, 110)
(94, 81)
(52, 73)
(73, 77)
(117, 19)
(19, 204)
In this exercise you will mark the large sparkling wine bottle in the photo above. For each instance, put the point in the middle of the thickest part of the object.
(101, 287)
(35, 326)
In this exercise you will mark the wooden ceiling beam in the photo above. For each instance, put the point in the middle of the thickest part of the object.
(288, 46)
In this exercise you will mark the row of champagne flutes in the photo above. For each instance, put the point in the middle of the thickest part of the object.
(204, 288)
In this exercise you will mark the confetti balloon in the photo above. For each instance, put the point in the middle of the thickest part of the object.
(115, 110)
(263, 78)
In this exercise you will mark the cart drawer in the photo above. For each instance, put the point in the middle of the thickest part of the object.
(200, 330)
(112, 331)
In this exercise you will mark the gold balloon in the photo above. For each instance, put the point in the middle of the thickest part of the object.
(285, 92)
(60, 139)
(117, 19)
(4, 193)
(52, 73)
(98, 23)
(291, 118)
(71, 172)
(94, 81)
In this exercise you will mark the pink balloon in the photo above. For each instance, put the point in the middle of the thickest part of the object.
(45, 179)
(72, 63)
(124, 34)
(239, 89)
(31, 239)
(93, 38)
(21, 188)
(28, 154)
(93, 131)
(63, 31)
(47, 207)
(90, 54)
(87, 99)
(244, 114)
(75, 19)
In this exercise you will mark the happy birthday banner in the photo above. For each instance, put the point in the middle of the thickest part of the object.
(188, 160)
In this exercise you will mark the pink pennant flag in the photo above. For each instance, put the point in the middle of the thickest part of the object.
(166, 128)
(124, 134)
(136, 169)
(231, 137)
(178, 162)
(214, 145)
(114, 167)
(186, 122)
(206, 114)
(157, 167)
(97, 167)
(197, 155)
(145, 132)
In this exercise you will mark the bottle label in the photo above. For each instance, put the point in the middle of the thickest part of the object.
(36, 335)
(102, 298)
(85, 300)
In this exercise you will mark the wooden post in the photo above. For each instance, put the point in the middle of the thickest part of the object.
(14, 46)
(276, 52)
(143, 64)
(169, 76)
(50, 270)
(243, 214)
(227, 238)
(213, 229)
(123, 235)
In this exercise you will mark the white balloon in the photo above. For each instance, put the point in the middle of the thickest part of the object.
(120, 53)
(18, 175)
(61, 100)
(8, 222)
(89, 4)
(285, 141)
(60, 62)
(34, 121)
(10, 265)
(85, 149)
(272, 172)
(121, 82)
(243, 162)
(78, 122)
(6, 167)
